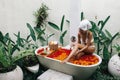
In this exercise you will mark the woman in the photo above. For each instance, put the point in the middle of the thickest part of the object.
(85, 43)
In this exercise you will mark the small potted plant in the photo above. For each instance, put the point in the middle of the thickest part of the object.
(114, 63)
(8, 67)
(29, 61)
(8, 59)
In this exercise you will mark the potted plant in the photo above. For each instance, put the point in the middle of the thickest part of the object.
(8, 67)
(114, 63)
(8, 59)
(29, 61)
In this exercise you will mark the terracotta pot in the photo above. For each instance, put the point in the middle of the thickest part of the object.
(114, 65)
(15, 74)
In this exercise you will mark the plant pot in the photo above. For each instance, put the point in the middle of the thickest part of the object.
(15, 74)
(33, 69)
(114, 65)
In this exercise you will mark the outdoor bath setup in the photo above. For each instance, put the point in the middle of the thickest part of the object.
(79, 72)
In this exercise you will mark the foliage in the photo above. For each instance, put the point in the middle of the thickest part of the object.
(26, 44)
(39, 34)
(41, 15)
(30, 43)
(7, 48)
(103, 40)
(60, 29)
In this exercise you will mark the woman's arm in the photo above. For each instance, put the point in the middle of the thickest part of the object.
(71, 54)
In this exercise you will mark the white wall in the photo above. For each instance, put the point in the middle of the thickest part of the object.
(14, 14)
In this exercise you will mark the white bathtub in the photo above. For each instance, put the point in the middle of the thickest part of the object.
(78, 72)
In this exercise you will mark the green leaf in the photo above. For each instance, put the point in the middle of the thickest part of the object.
(61, 40)
(63, 34)
(23, 53)
(28, 38)
(50, 35)
(114, 37)
(106, 21)
(3, 58)
(32, 33)
(42, 38)
(101, 28)
(19, 40)
(100, 23)
(40, 33)
(82, 16)
(62, 22)
(53, 25)
(2, 38)
(39, 30)
(7, 38)
(108, 33)
(10, 50)
(68, 21)
(106, 54)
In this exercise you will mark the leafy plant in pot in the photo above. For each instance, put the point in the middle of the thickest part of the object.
(8, 65)
(30, 43)
(30, 59)
(114, 63)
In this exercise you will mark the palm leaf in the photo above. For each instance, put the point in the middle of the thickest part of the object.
(63, 34)
(62, 22)
(32, 33)
(68, 21)
(106, 21)
(114, 37)
(54, 26)
(50, 35)
(82, 16)
(61, 40)
(108, 33)
(19, 40)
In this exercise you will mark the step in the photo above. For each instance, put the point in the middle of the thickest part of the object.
(54, 75)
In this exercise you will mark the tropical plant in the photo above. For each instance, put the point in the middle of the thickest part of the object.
(103, 40)
(26, 44)
(7, 49)
(60, 29)
(30, 43)
(39, 34)
(41, 15)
